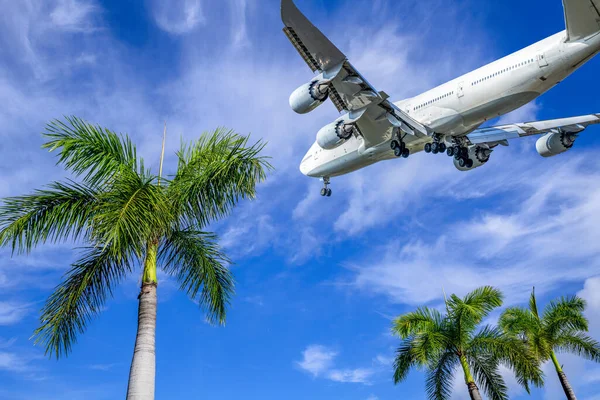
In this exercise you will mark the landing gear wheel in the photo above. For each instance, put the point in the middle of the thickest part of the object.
(442, 147)
(427, 148)
(405, 153)
(324, 192)
(450, 151)
(461, 162)
(397, 151)
(435, 148)
(328, 192)
(469, 163)
(394, 144)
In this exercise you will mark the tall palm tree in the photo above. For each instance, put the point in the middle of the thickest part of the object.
(127, 217)
(560, 328)
(440, 343)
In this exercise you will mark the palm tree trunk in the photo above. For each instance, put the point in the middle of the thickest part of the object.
(143, 366)
(563, 378)
(473, 389)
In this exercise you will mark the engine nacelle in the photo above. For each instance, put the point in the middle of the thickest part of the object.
(309, 96)
(555, 143)
(479, 155)
(333, 135)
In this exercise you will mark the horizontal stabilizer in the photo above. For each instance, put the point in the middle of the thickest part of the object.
(582, 18)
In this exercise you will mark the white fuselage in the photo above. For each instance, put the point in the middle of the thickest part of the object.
(463, 104)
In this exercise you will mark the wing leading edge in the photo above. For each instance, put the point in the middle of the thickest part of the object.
(501, 134)
(348, 90)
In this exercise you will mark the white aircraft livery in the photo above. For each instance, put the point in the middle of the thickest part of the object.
(445, 119)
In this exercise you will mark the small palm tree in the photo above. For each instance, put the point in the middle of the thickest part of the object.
(561, 328)
(441, 343)
(127, 217)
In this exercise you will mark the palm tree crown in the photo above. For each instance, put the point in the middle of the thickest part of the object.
(440, 343)
(127, 218)
(560, 328)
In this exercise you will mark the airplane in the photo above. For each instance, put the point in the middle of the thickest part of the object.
(445, 119)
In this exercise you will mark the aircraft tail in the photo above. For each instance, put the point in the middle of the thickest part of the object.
(582, 18)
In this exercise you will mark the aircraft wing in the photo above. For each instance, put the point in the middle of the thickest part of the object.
(582, 18)
(501, 134)
(348, 90)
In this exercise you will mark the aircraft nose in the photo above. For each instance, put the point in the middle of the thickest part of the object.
(304, 168)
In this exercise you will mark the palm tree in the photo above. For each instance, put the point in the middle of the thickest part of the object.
(561, 328)
(127, 217)
(441, 343)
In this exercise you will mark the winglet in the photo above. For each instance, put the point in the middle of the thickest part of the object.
(314, 47)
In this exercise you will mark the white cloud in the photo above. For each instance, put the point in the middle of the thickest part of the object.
(12, 313)
(12, 362)
(239, 34)
(74, 15)
(177, 17)
(317, 359)
(102, 367)
(359, 375)
(319, 362)
(551, 222)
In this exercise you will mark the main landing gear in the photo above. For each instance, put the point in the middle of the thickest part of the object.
(436, 147)
(326, 192)
(399, 148)
(461, 154)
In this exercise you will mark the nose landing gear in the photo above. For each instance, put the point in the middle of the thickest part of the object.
(326, 191)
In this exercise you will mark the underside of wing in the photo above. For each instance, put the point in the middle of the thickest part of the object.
(314, 47)
(368, 111)
(501, 134)
(582, 18)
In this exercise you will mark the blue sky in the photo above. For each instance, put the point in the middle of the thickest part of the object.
(318, 280)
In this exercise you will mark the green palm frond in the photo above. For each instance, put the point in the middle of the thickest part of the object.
(62, 211)
(487, 375)
(440, 376)
(92, 151)
(422, 320)
(533, 304)
(476, 305)
(403, 361)
(201, 269)
(510, 351)
(131, 212)
(214, 173)
(565, 314)
(517, 320)
(79, 297)
(580, 344)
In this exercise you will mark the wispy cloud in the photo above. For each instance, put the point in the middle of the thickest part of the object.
(102, 367)
(319, 362)
(178, 17)
(75, 15)
(12, 313)
(317, 359)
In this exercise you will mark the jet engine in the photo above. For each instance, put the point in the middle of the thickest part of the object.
(334, 134)
(309, 96)
(476, 156)
(555, 143)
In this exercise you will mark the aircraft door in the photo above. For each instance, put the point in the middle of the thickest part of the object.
(541, 59)
(460, 91)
